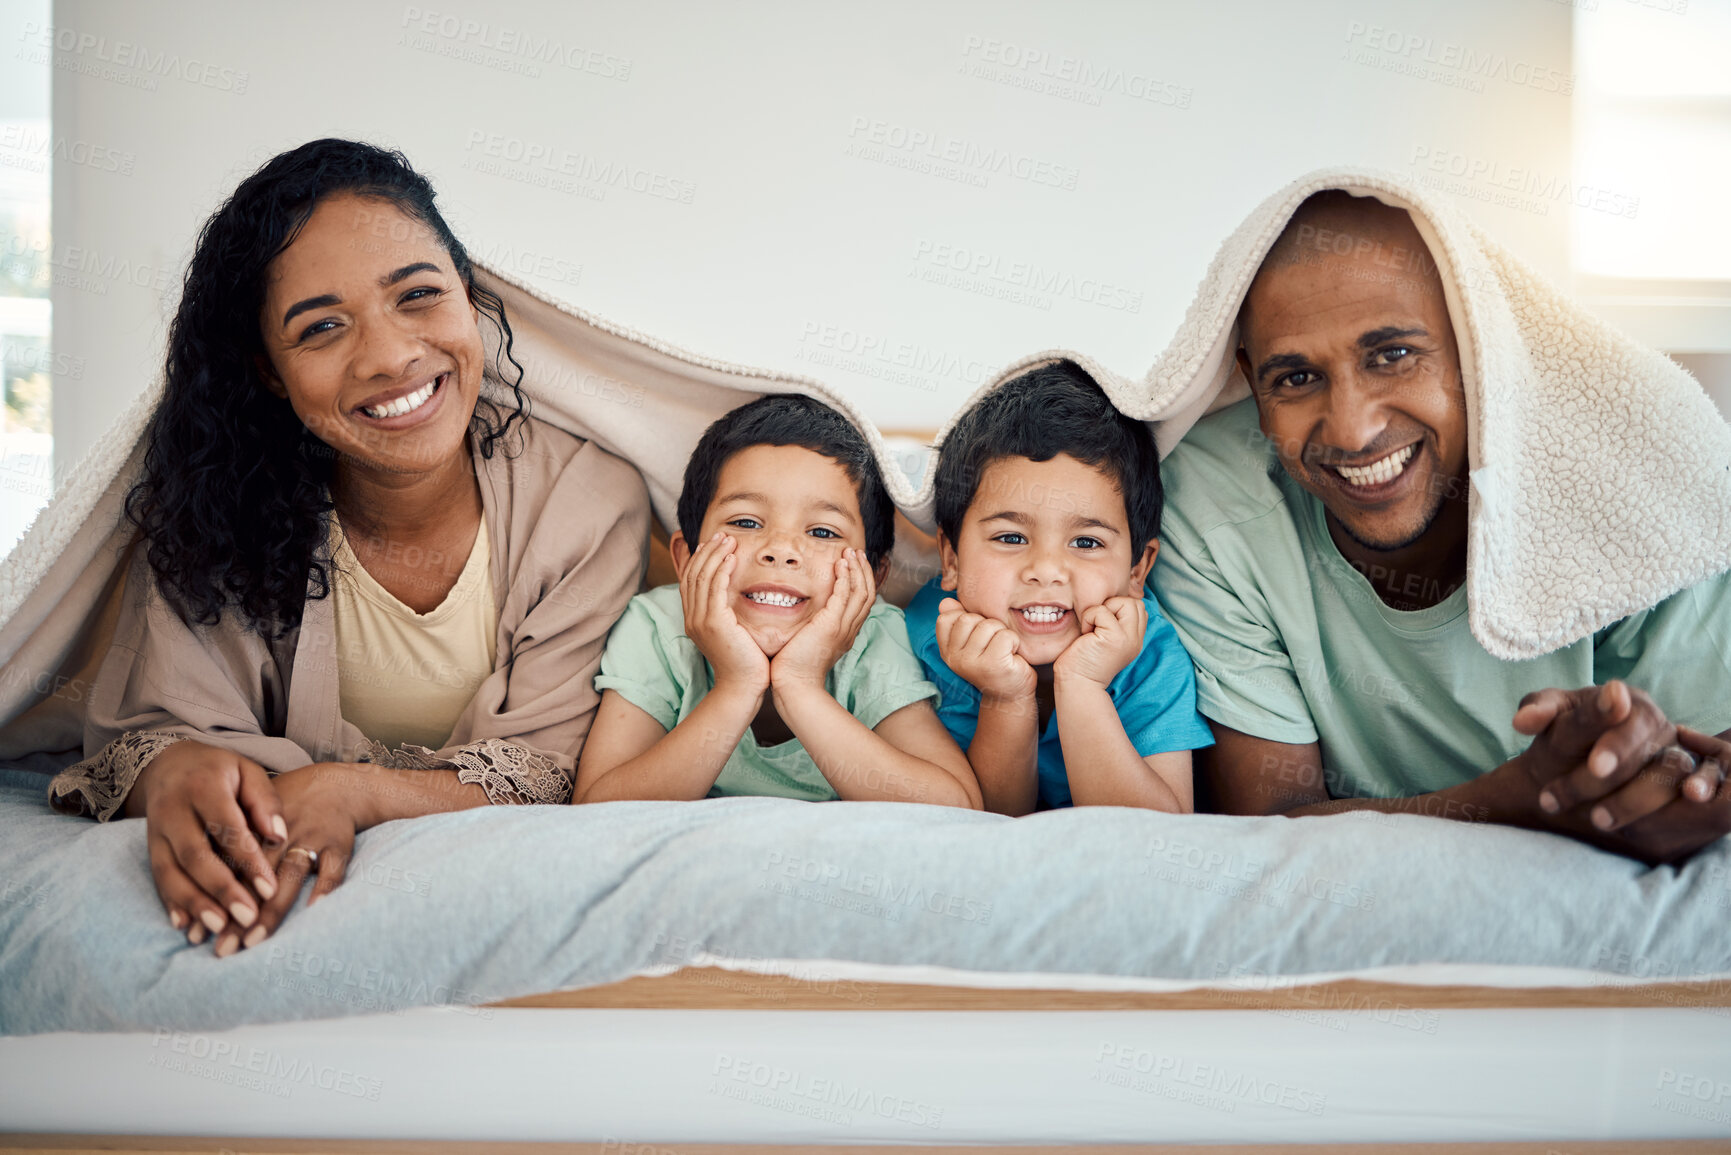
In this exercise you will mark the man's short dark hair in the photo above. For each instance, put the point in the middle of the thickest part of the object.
(1332, 224)
(789, 419)
(1049, 410)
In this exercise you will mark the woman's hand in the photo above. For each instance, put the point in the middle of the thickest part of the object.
(205, 810)
(323, 806)
(706, 592)
(806, 658)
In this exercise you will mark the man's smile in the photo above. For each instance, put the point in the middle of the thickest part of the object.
(1382, 470)
(1376, 481)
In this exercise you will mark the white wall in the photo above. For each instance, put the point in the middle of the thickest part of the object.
(791, 244)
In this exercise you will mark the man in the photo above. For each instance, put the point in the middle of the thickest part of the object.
(1316, 569)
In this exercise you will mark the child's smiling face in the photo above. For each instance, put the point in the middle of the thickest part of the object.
(1041, 543)
(792, 512)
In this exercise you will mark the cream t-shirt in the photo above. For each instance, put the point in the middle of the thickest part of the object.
(404, 676)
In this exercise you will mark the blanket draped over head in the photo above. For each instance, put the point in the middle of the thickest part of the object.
(1600, 470)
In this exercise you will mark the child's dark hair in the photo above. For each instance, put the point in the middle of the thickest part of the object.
(789, 419)
(1049, 410)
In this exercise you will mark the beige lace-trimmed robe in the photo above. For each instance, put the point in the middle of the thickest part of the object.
(569, 524)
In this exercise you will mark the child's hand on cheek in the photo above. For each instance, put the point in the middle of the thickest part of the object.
(706, 591)
(806, 658)
(1111, 638)
(983, 651)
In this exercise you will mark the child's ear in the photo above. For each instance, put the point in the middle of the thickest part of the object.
(1144, 564)
(950, 576)
(680, 552)
(881, 571)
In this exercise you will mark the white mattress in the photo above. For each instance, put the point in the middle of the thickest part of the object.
(1389, 1072)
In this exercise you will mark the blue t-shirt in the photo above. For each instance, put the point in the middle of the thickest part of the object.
(1155, 694)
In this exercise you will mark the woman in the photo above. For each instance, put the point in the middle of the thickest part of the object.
(359, 555)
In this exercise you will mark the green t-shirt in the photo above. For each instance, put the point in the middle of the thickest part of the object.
(652, 664)
(1292, 644)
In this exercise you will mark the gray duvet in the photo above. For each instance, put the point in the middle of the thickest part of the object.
(491, 903)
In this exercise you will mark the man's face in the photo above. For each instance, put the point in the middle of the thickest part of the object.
(1041, 543)
(1353, 364)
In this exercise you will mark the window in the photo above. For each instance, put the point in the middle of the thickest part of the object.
(26, 329)
(1652, 235)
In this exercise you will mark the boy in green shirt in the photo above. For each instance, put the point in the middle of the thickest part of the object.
(772, 667)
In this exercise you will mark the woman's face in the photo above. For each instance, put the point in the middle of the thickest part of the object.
(370, 335)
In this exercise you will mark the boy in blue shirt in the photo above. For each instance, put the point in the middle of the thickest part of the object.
(1057, 672)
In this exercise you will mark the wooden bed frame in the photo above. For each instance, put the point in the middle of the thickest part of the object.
(714, 988)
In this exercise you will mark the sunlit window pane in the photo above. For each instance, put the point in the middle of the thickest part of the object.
(1653, 119)
(26, 348)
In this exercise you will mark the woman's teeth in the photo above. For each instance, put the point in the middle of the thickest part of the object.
(1042, 615)
(405, 404)
(772, 599)
(1377, 472)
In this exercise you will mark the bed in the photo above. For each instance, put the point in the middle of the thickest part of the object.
(544, 975)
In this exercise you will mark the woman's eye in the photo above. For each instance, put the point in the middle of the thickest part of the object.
(421, 293)
(1088, 543)
(1011, 539)
(744, 523)
(1392, 354)
(823, 531)
(318, 329)
(1296, 380)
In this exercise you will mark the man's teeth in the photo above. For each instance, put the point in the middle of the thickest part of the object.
(1042, 615)
(406, 404)
(1377, 472)
(765, 598)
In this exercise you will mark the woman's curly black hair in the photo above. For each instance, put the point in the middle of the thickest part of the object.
(233, 502)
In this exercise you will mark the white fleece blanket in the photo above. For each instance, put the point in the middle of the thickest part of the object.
(1601, 472)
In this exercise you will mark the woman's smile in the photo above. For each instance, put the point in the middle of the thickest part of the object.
(404, 407)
